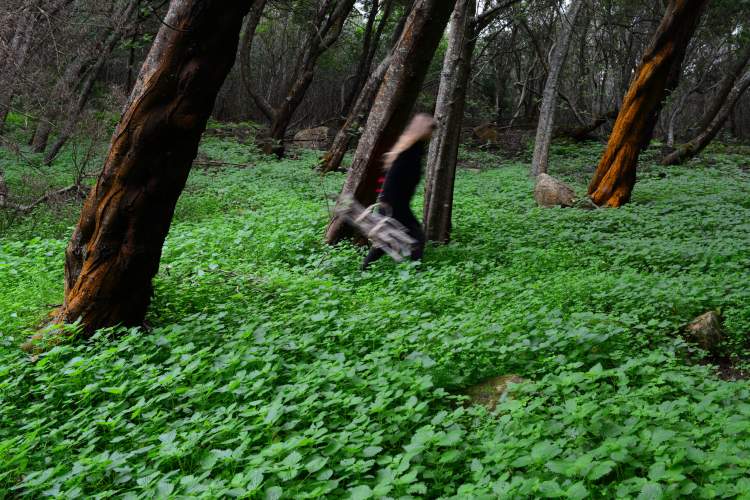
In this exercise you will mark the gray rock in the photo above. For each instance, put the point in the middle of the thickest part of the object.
(549, 192)
(706, 331)
(319, 138)
(491, 391)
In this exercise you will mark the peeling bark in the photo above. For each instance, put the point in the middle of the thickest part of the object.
(115, 249)
(394, 102)
(615, 175)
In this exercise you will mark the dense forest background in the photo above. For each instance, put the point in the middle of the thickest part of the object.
(69, 66)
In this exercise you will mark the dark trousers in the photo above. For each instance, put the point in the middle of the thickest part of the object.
(405, 216)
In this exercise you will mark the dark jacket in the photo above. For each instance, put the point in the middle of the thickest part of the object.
(402, 178)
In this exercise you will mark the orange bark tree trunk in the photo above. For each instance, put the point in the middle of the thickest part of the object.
(659, 70)
(115, 249)
(394, 102)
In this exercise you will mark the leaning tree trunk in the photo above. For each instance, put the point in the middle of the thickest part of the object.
(394, 102)
(115, 249)
(331, 161)
(449, 112)
(614, 178)
(705, 136)
(725, 86)
(540, 160)
(334, 156)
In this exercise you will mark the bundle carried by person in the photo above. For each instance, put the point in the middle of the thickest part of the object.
(383, 231)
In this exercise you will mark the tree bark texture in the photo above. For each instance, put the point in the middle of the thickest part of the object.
(115, 249)
(540, 160)
(334, 156)
(449, 110)
(615, 175)
(706, 135)
(394, 102)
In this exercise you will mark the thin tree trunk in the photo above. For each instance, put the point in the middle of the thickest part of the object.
(725, 86)
(327, 28)
(19, 51)
(540, 160)
(615, 175)
(449, 111)
(332, 159)
(363, 67)
(705, 136)
(394, 103)
(62, 91)
(87, 86)
(246, 44)
(115, 249)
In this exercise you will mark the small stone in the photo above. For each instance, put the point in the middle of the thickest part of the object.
(491, 391)
(706, 331)
(549, 192)
(319, 138)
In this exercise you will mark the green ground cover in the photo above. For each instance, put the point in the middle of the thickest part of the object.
(276, 369)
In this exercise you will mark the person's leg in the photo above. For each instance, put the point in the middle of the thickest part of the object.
(414, 228)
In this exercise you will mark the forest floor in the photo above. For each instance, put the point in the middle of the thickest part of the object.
(274, 368)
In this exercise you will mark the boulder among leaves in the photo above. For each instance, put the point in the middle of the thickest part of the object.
(319, 138)
(491, 391)
(705, 331)
(550, 192)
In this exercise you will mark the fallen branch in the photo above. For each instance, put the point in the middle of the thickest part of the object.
(78, 190)
(218, 163)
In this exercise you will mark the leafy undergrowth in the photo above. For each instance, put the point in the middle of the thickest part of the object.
(276, 369)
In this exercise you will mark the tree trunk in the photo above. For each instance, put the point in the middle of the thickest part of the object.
(394, 102)
(449, 113)
(540, 160)
(615, 175)
(705, 136)
(59, 99)
(87, 86)
(327, 27)
(725, 86)
(115, 249)
(19, 51)
(246, 42)
(332, 159)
